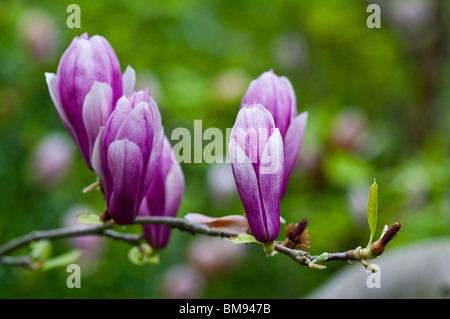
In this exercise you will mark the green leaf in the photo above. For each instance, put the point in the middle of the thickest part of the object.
(61, 260)
(372, 210)
(244, 239)
(142, 255)
(322, 257)
(41, 250)
(89, 219)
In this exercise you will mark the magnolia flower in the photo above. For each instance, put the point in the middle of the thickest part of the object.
(256, 153)
(163, 198)
(126, 154)
(277, 96)
(86, 88)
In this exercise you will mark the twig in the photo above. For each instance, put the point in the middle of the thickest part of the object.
(21, 261)
(52, 234)
(376, 248)
(299, 256)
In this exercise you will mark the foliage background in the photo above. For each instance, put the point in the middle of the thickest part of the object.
(387, 89)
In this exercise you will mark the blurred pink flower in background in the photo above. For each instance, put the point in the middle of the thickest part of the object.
(182, 281)
(349, 130)
(90, 246)
(207, 258)
(290, 52)
(230, 85)
(40, 35)
(357, 201)
(221, 185)
(52, 159)
(214, 256)
(411, 16)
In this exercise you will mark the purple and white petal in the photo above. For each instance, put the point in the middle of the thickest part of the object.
(292, 144)
(125, 164)
(248, 189)
(129, 81)
(96, 109)
(270, 183)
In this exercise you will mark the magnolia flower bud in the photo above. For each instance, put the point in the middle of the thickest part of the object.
(277, 96)
(86, 87)
(126, 154)
(256, 153)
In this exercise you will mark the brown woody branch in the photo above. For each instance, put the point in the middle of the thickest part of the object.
(300, 256)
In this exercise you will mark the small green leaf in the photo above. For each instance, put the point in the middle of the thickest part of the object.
(142, 255)
(61, 260)
(41, 250)
(372, 210)
(244, 239)
(89, 219)
(322, 257)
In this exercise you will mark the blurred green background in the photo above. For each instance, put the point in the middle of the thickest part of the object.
(378, 103)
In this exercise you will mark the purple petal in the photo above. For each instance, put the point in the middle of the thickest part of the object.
(158, 193)
(248, 189)
(174, 189)
(116, 119)
(125, 164)
(252, 130)
(79, 67)
(267, 114)
(155, 157)
(138, 128)
(140, 96)
(163, 197)
(129, 81)
(274, 95)
(96, 109)
(52, 83)
(292, 144)
(111, 64)
(271, 182)
(158, 235)
(152, 233)
(291, 93)
(96, 159)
